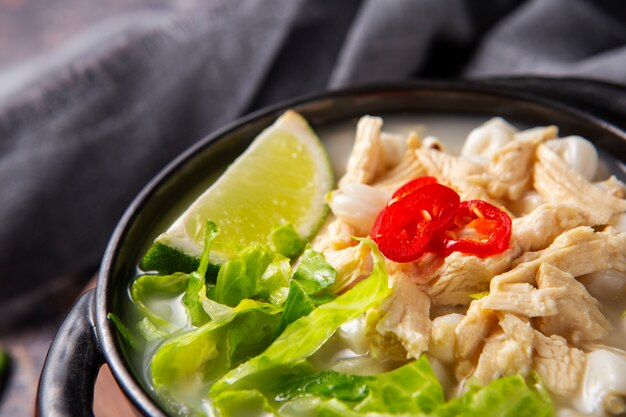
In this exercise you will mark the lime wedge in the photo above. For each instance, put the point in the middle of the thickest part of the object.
(283, 177)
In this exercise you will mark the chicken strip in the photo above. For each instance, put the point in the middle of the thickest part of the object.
(443, 337)
(366, 155)
(455, 172)
(421, 272)
(352, 264)
(509, 176)
(578, 251)
(408, 168)
(612, 186)
(524, 299)
(474, 328)
(557, 182)
(507, 351)
(559, 366)
(400, 328)
(539, 228)
(334, 235)
(579, 318)
(462, 275)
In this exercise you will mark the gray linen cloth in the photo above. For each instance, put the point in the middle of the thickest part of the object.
(83, 129)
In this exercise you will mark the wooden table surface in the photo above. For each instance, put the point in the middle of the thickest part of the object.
(28, 349)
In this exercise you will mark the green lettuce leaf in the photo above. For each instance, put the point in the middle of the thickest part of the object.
(243, 403)
(306, 335)
(196, 282)
(506, 397)
(286, 241)
(128, 336)
(258, 272)
(411, 389)
(156, 286)
(510, 396)
(208, 352)
(314, 273)
(298, 304)
(274, 283)
(165, 286)
(149, 330)
(324, 384)
(191, 299)
(307, 290)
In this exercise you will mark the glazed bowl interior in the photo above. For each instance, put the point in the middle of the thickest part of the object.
(188, 175)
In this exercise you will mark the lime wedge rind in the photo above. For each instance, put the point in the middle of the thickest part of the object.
(246, 205)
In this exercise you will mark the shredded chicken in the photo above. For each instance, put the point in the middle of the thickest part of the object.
(443, 337)
(393, 148)
(526, 310)
(462, 275)
(524, 299)
(538, 229)
(365, 158)
(400, 328)
(407, 168)
(474, 328)
(455, 173)
(526, 203)
(351, 264)
(612, 186)
(558, 183)
(559, 366)
(335, 235)
(579, 318)
(509, 176)
(578, 251)
(422, 271)
(507, 351)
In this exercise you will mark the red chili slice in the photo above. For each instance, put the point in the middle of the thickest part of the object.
(488, 230)
(411, 186)
(404, 229)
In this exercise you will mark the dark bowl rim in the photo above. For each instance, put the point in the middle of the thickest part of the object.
(109, 344)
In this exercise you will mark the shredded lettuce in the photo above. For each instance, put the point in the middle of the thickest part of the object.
(209, 351)
(308, 287)
(324, 384)
(306, 335)
(196, 282)
(505, 397)
(286, 241)
(298, 304)
(244, 403)
(149, 330)
(411, 390)
(314, 273)
(146, 286)
(124, 331)
(190, 285)
(257, 272)
(274, 283)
